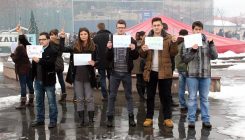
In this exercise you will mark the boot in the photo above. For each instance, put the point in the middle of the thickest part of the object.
(81, 118)
(109, 121)
(131, 121)
(22, 103)
(31, 100)
(91, 118)
(63, 97)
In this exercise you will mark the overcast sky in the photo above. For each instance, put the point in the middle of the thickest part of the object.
(230, 7)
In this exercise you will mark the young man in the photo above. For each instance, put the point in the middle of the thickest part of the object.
(44, 75)
(199, 75)
(101, 39)
(122, 65)
(158, 70)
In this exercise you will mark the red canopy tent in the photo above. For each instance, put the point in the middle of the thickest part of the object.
(174, 26)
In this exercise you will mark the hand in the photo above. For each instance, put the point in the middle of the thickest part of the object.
(174, 38)
(35, 59)
(132, 46)
(18, 28)
(145, 48)
(109, 45)
(62, 33)
(195, 46)
(210, 39)
(92, 63)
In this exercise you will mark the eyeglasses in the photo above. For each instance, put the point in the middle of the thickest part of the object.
(121, 27)
(42, 39)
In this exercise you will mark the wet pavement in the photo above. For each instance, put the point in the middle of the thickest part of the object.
(15, 124)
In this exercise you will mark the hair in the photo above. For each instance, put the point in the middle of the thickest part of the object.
(23, 40)
(183, 32)
(101, 26)
(80, 46)
(54, 32)
(165, 26)
(121, 21)
(197, 24)
(156, 19)
(45, 34)
(137, 35)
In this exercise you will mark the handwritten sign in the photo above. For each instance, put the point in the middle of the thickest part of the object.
(81, 59)
(121, 41)
(154, 43)
(34, 51)
(193, 39)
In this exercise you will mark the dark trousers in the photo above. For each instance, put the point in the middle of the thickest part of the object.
(61, 81)
(164, 87)
(140, 85)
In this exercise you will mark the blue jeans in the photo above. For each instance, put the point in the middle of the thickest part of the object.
(115, 80)
(40, 106)
(102, 73)
(202, 85)
(24, 80)
(182, 85)
(61, 81)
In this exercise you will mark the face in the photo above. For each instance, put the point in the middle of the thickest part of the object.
(197, 30)
(121, 29)
(53, 36)
(43, 40)
(157, 27)
(84, 36)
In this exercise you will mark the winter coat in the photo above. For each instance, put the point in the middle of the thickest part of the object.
(47, 63)
(180, 65)
(101, 39)
(130, 56)
(70, 78)
(59, 63)
(164, 58)
(199, 60)
(21, 60)
(139, 63)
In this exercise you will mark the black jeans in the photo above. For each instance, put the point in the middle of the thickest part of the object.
(164, 87)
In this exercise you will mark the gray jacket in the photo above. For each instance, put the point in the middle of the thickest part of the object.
(199, 60)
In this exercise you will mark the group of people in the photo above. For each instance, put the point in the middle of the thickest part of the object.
(152, 68)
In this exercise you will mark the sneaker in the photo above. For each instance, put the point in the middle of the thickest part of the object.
(52, 125)
(168, 123)
(207, 125)
(148, 122)
(191, 125)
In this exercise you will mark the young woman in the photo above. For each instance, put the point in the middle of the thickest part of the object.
(23, 69)
(83, 77)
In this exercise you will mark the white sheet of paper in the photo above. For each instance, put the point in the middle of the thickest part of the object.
(34, 51)
(193, 39)
(13, 46)
(121, 41)
(154, 43)
(81, 59)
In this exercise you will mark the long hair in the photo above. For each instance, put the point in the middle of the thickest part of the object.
(80, 46)
(23, 40)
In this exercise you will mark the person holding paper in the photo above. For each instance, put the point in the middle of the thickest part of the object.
(121, 60)
(199, 75)
(59, 63)
(23, 70)
(81, 75)
(43, 70)
(158, 70)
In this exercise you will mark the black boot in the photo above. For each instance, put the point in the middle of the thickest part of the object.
(81, 118)
(109, 121)
(31, 100)
(91, 118)
(22, 103)
(131, 121)
(63, 97)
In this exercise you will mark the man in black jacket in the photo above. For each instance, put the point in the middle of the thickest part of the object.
(44, 75)
(122, 65)
(101, 39)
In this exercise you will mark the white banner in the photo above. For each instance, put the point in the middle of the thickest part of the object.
(121, 41)
(190, 40)
(8, 39)
(34, 51)
(81, 59)
(154, 43)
